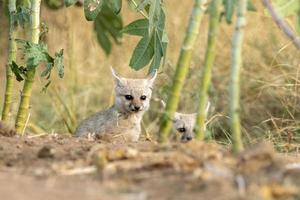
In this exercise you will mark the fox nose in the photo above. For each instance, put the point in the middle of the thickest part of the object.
(189, 138)
(137, 108)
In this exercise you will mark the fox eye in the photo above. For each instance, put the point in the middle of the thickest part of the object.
(181, 130)
(143, 97)
(128, 97)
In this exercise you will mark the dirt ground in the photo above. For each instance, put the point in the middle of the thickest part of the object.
(62, 167)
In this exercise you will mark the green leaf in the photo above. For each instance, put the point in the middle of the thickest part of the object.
(70, 2)
(138, 27)
(54, 4)
(158, 53)
(46, 86)
(287, 8)
(142, 53)
(108, 26)
(20, 72)
(229, 9)
(250, 6)
(47, 71)
(22, 16)
(154, 14)
(114, 5)
(92, 8)
(58, 63)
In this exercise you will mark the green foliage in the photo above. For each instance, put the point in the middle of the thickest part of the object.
(154, 12)
(19, 71)
(114, 5)
(287, 8)
(154, 40)
(36, 54)
(70, 2)
(108, 26)
(138, 27)
(229, 7)
(54, 4)
(92, 8)
(22, 16)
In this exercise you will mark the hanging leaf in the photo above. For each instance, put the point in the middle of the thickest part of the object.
(114, 5)
(58, 63)
(138, 27)
(142, 53)
(22, 16)
(152, 46)
(229, 6)
(20, 72)
(92, 8)
(154, 12)
(70, 2)
(54, 4)
(108, 25)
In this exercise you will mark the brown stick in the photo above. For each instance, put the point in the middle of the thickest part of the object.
(283, 25)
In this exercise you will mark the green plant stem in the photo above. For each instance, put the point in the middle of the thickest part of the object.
(234, 88)
(11, 57)
(182, 67)
(27, 88)
(208, 64)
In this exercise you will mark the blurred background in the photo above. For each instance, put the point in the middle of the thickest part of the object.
(269, 84)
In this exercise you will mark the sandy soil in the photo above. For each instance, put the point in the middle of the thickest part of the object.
(62, 167)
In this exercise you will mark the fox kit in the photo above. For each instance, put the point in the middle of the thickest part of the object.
(132, 98)
(185, 123)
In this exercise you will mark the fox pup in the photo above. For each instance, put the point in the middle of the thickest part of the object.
(132, 99)
(185, 123)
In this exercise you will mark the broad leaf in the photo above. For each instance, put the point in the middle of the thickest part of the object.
(229, 9)
(20, 72)
(154, 12)
(142, 53)
(138, 27)
(108, 26)
(92, 8)
(70, 2)
(114, 5)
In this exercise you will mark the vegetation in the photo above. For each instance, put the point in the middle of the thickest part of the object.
(235, 76)
(182, 66)
(205, 82)
(275, 98)
(11, 58)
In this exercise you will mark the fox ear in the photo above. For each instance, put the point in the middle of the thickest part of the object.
(176, 117)
(152, 76)
(117, 78)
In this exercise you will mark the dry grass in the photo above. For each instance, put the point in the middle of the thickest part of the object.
(270, 97)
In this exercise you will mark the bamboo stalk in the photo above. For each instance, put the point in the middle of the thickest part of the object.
(27, 88)
(208, 64)
(182, 66)
(234, 88)
(11, 57)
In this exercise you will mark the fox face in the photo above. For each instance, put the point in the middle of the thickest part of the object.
(133, 95)
(184, 124)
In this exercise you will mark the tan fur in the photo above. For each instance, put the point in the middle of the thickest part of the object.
(185, 124)
(122, 120)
